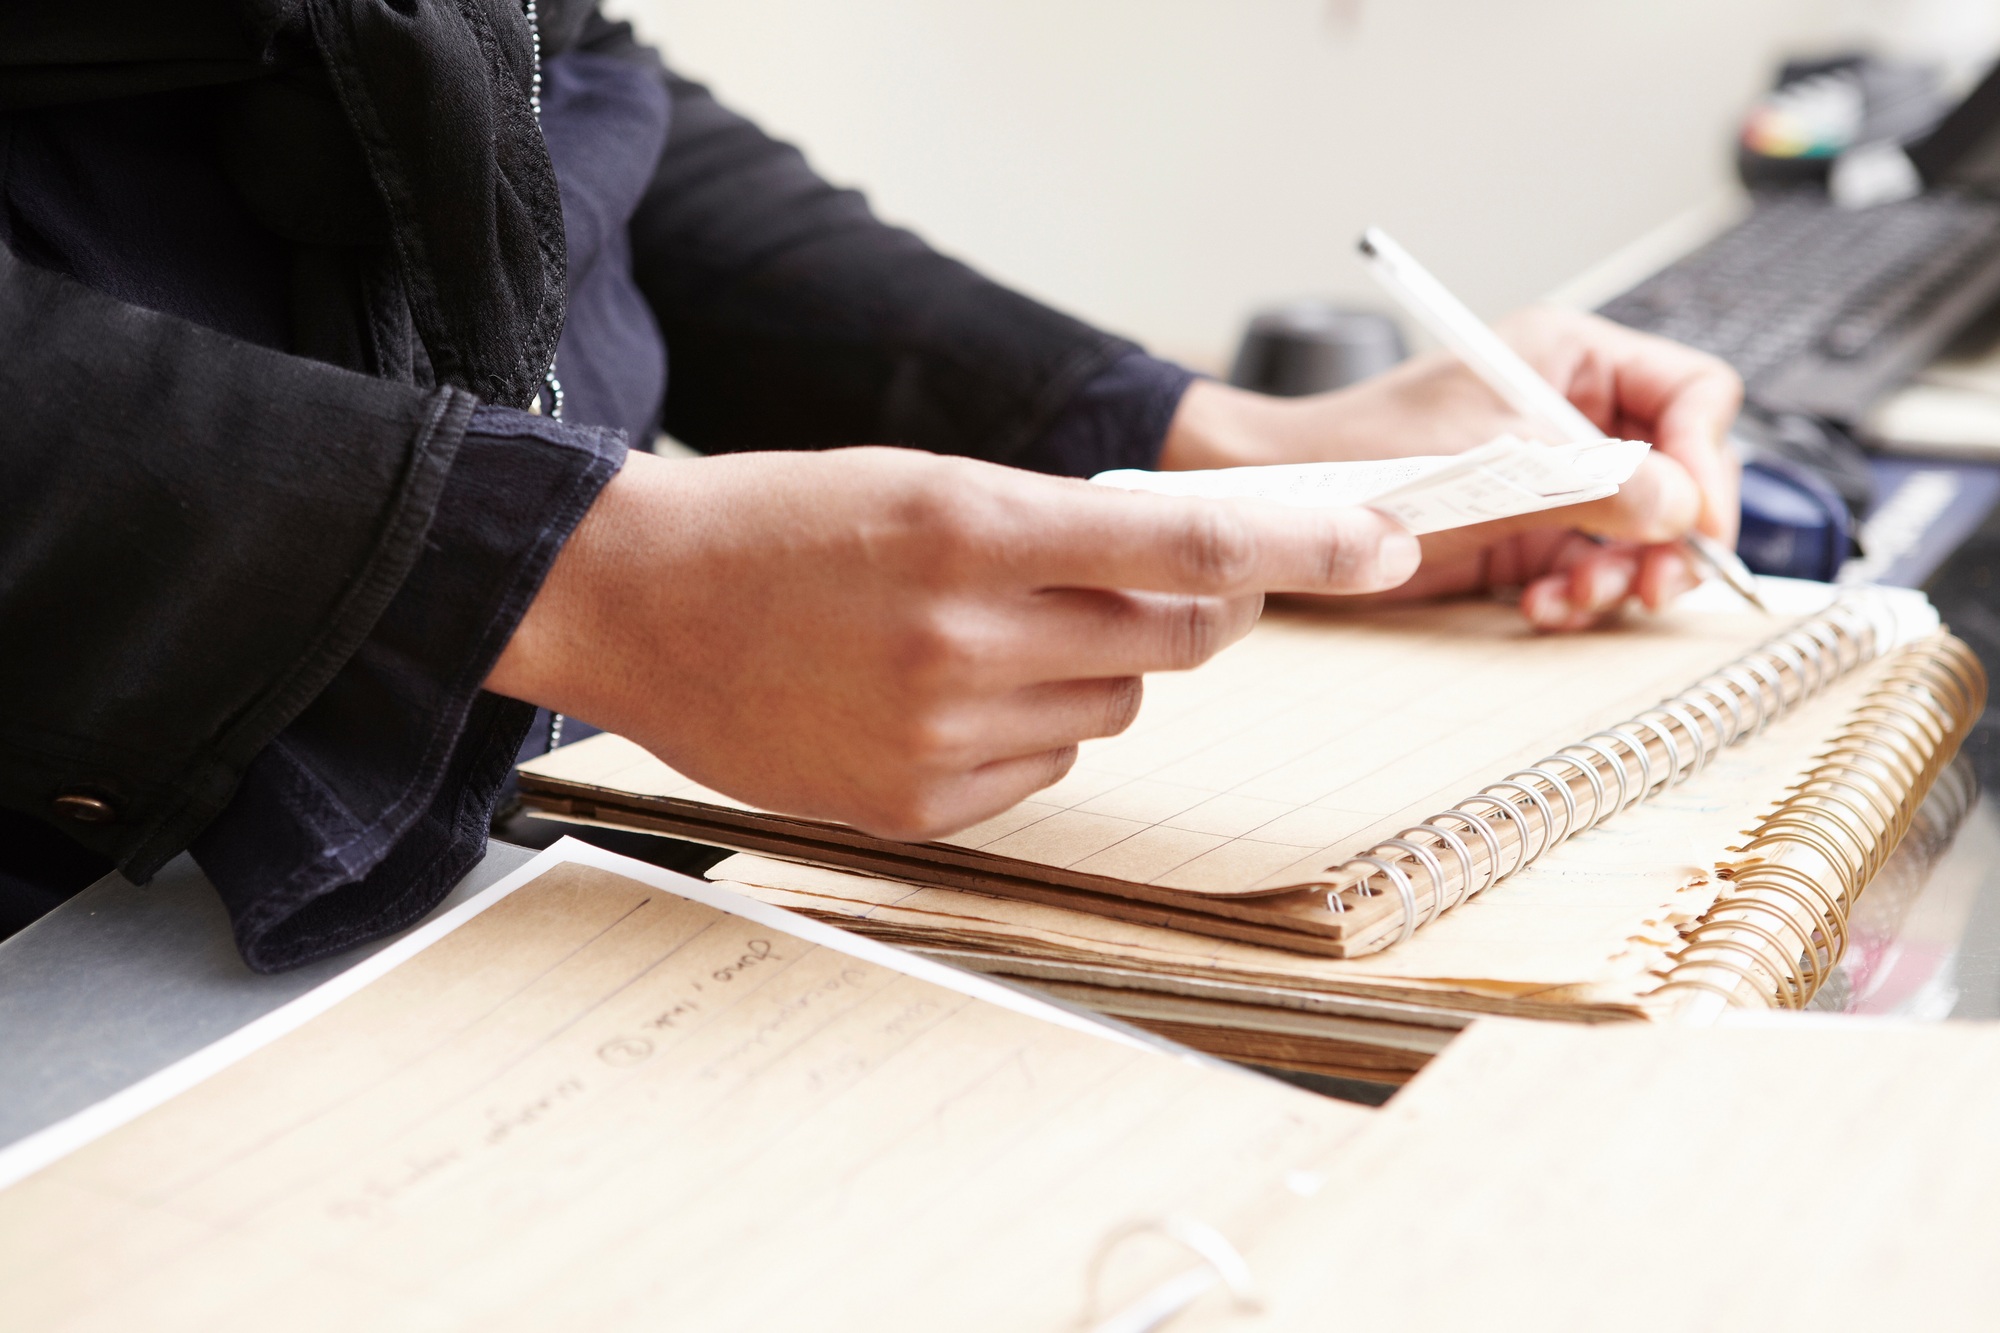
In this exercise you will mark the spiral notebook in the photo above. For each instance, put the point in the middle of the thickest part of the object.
(1593, 931)
(1335, 784)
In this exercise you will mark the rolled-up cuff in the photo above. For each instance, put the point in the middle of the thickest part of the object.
(364, 811)
(1118, 419)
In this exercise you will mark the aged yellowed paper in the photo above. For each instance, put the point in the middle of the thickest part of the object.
(599, 1104)
(1827, 1174)
(1594, 923)
(1304, 744)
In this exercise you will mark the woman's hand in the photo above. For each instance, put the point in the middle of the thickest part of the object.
(1633, 385)
(895, 640)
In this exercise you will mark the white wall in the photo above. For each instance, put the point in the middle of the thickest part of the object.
(1162, 166)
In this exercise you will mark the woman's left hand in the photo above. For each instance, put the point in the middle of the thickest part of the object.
(1632, 385)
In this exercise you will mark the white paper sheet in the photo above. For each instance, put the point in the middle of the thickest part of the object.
(1499, 479)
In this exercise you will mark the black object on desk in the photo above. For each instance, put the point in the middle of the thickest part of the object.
(1924, 511)
(1823, 308)
(1805, 482)
(1309, 347)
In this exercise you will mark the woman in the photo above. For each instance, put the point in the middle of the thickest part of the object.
(327, 324)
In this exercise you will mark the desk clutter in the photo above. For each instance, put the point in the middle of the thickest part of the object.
(1347, 836)
(601, 1096)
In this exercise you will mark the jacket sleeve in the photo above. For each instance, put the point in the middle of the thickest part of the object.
(794, 318)
(371, 803)
(195, 534)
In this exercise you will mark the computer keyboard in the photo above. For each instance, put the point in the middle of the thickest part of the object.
(1821, 309)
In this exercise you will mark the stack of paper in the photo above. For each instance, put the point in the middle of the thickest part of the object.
(1243, 783)
(1196, 875)
(1588, 933)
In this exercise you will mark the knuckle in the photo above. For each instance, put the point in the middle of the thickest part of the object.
(937, 651)
(928, 740)
(1197, 630)
(911, 817)
(1217, 547)
(1121, 704)
(910, 806)
(934, 491)
(917, 822)
(1058, 764)
(1348, 556)
(940, 513)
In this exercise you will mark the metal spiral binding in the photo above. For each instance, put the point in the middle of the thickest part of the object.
(1619, 768)
(1783, 929)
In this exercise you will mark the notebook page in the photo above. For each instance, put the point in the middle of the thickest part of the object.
(1308, 741)
(1827, 1174)
(600, 1104)
(1594, 921)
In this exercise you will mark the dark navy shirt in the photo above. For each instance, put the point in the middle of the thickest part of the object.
(377, 797)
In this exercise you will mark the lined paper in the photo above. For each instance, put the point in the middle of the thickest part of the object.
(1831, 1174)
(1595, 922)
(598, 1104)
(1306, 742)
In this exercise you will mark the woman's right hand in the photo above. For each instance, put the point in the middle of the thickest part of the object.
(899, 641)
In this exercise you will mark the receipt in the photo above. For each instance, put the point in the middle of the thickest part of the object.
(1499, 479)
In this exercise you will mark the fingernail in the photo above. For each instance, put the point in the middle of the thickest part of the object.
(1678, 577)
(1546, 605)
(1396, 559)
(1607, 586)
(1684, 502)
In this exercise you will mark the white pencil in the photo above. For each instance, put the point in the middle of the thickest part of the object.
(1519, 385)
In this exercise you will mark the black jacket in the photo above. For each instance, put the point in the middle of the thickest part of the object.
(197, 528)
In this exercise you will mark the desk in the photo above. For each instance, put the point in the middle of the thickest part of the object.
(121, 981)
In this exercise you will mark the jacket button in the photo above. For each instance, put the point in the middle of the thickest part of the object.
(84, 809)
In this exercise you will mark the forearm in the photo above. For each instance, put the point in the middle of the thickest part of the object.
(1413, 409)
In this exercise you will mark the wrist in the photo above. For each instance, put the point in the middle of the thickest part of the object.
(560, 628)
(1218, 425)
